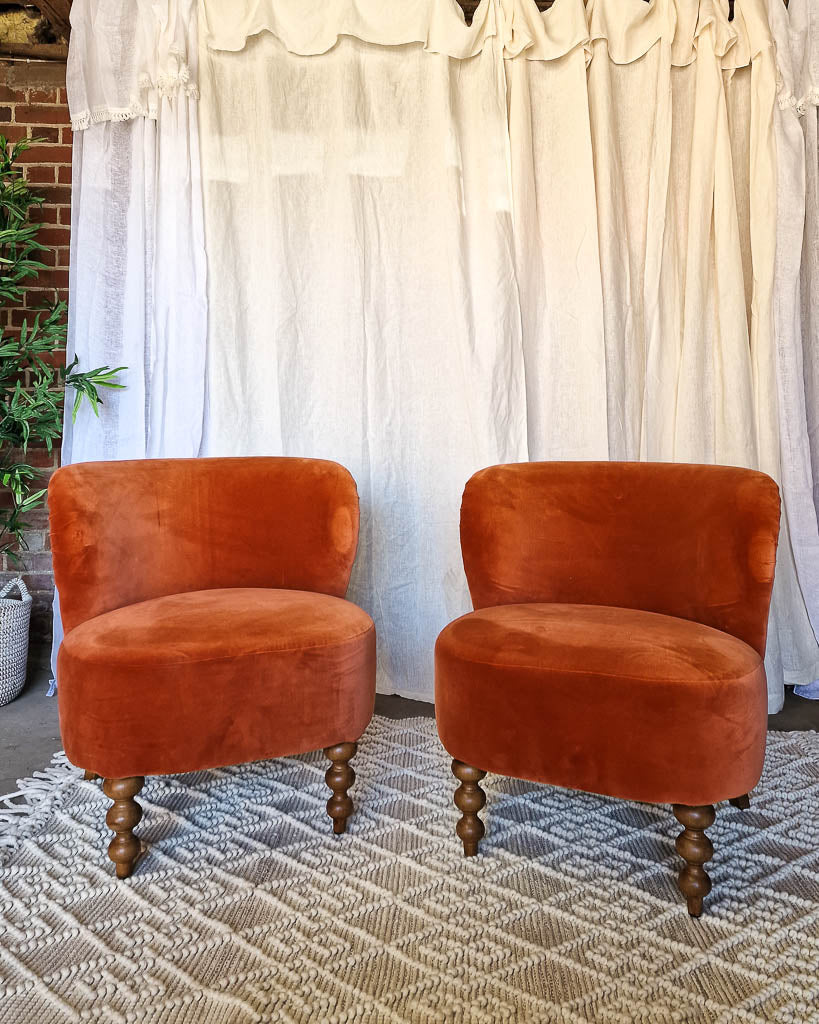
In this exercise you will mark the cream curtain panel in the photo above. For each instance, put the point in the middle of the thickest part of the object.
(362, 290)
(433, 246)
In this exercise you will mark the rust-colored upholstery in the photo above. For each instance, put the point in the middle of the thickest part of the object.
(618, 639)
(249, 673)
(204, 612)
(610, 700)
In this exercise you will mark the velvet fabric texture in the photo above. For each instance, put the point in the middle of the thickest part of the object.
(130, 531)
(204, 612)
(618, 639)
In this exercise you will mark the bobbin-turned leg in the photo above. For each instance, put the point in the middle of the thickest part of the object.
(469, 799)
(695, 848)
(742, 802)
(122, 818)
(340, 777)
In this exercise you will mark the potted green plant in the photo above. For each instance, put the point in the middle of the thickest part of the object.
(32, 393)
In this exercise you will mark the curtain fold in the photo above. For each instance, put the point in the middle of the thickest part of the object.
(557, 255)
(799, 337)
(432, 246)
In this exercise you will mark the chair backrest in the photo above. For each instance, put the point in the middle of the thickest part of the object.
(123, 532)
(697, 542)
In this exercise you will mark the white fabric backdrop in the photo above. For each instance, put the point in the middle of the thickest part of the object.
(432, 247)
(362, 297)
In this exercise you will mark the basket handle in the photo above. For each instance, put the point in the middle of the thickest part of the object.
(21, 586)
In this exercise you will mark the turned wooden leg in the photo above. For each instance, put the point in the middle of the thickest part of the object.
(469, 799)
(89, 776)
(742, 802)
(339, 777)
(695, 848)
(122, 818)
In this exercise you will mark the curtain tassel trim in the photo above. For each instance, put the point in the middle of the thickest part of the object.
(165, 87)
(811, 99)
(99, 114)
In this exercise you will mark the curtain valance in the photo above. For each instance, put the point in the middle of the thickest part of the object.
(310, 27)
(629, 27)
(543, 36)
(126, 55)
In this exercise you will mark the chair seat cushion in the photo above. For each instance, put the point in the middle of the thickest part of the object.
(214, 677)
(610, 700)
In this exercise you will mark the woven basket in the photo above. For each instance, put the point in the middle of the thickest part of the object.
(14, 619)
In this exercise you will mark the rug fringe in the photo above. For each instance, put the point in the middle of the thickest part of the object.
(22, 812)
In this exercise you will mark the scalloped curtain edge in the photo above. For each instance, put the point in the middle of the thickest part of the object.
(655, 22)
(521, 28)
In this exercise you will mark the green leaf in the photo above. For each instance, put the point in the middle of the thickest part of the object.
(32, 389)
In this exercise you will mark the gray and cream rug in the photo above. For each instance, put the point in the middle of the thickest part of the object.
(247, 909)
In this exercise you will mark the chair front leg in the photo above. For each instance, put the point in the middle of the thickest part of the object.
(122, 818)
(695, 848)
(340, 777)
(469, 799)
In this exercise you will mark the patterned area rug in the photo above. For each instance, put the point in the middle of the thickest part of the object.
(247, 908)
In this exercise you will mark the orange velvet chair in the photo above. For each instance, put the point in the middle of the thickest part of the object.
(205, 622)
(617, 640)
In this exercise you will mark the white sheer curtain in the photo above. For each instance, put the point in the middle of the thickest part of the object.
(137, 276)
(361, 292)
(137, 244)
(433, 246)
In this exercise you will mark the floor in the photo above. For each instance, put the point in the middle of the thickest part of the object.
(29, 733)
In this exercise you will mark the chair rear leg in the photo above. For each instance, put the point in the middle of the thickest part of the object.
(742, 802)
(122, 818)
(469, 799)
(695, 848)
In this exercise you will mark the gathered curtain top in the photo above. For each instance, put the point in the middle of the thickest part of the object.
(629, 28)
(311, 27)
(125, 55)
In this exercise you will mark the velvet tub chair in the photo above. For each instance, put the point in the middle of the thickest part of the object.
(205, 622)
(617, 640)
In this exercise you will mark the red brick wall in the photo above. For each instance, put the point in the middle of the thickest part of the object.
(33, 105)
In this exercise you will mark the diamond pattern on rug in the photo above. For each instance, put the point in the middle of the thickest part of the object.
(247, 909)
